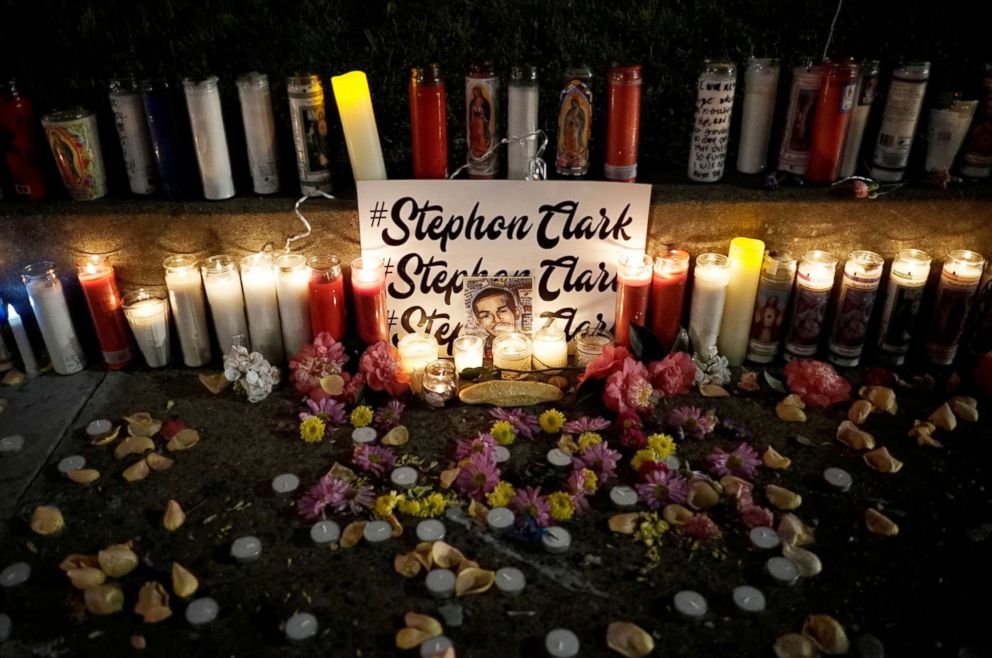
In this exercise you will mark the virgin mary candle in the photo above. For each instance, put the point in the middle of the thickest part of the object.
(671, 271)
(293, 291)
(746, 256)
(709, 293)
(814, 282)
(189, 308)
(99, 284)
(368, 284)
(327, 310)
(633, 294)
(52, 313)
(258, 280)
(227, 303)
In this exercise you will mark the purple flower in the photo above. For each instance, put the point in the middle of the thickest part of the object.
(585, 424)
(389, 416)
(484, 444)
(600, 459)
(742, 462)
(478, 477)
(738, 430)
(524, 423)
(662, 486)
(328, 492)
(360, 497)
(376, 460)
(691, 422)
(328, 410)
(528, 502)
(575, 484)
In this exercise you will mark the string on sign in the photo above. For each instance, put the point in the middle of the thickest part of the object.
(303, 220)
(537, 168)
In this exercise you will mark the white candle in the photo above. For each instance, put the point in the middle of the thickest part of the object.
(351, 91)
(760, 89)
(207, 122)
(293, 291)
(147, 312)
(903, 297)
(814, 281)
(959, 280)
(440, 583)
(260, 131)
(201, 612)
(690, 605)
(258, 279)
(52, 313)
(589, 344)
(430, 530)
(862, 274)
(227, 303)
(23, 342)
(709, 292)
(749, 599)
(246, 549)
(550, 348)
(468, 352)
(416, 351)
(301, 627)
(556, 539)
(132, 128)
(512, 351)
(711, 129)
(521, 118)
(867, 86)
(746, 256)
(189, 308)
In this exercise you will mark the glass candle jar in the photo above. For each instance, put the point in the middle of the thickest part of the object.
(258, 280)
(227, 302)
(368, 283)
(512, 351)
(589, 344)
(671, 271)
(327, 306)
(416, 351)
(99, 284)
(52, 313)
(147, 312)
(814, 283)
(468, 351)
(189, 307)
(550, 349)
(633, 295)
(903, 296)
(959, 280)
(709, 293)
(778, 273)
(293, 291)
(440, 382)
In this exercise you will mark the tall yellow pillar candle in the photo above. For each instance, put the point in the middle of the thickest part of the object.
(351, 91)
(746, 255)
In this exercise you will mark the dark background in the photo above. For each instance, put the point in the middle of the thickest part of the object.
(64, 52)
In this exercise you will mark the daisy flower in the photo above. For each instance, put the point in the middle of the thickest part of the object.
(524, 424)
(743, 461)
(327, 493)
(389, 416)
(376, 460)
(586, 424)
(661, 487)
(478, 477)
(528, 502)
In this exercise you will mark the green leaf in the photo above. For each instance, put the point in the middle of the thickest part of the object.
(681, 343)
(775, 384)
(804, 441)
(590, 390)
(471, 374)
(645, 345)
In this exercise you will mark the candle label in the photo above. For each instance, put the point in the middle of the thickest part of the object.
(794, 154)
(76, 146)
(902, 111)
(711, 129)
(481, 113)
(954, 299)
(981, 335)
(768, 321)
(857, 298)
(129, 115)
(807, 321)
(574, 128)
(902, 304)
(309, 120)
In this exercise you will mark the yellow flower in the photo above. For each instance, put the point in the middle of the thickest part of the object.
(641, 456)
(501, 495)
(410, 507)
(662, 445)
(562, 506)
(587, 439)
(433, 505)
(650, 529)
(385, 504)
(361, 416)
(589, 481)
(503, 432)
(551, 421)
(312, 429)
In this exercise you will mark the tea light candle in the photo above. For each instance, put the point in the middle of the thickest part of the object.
(457, 515)
(499, 520)
(561, 643)
(11, 444)
(633, 294)
(301, 627)
(377, 533)
(189, 308)
(589, 344)
(814, 281)
(207, 122)
(327, 303)
(246, 549)
(416, 351)
(368, 283)
(52, 313)
(671, 271)
(501, 454)
(672, 462)
(293, 293)
(623, 497)
(23, 342)
(764, 538)
(468, 351)
(745, 257)
(749, 599)
(512, 351)
(147, 312)
(778, 273)
(709, 293)
(550, 349)
(959, 279)
(862, 274)
(403, 477)
(227, 303)
(435, 647)
(782, 570)
(556, 539)
(362, 435)
(903, 299)
(559, 458)
(258, 279)
(440, 583)
(691, 605)
(71, 463)
(99, 429)
(285, 484)
(510, 581)
(430, 530)
(838, 478)
(351, 92)
(201, 612)
(99, 284)
(15, 574)
(440, 382)
(325, 532)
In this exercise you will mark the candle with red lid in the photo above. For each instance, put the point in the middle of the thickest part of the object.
(96, 276)
(671, 270)
(368, 284)
(633, 294)
(327, 311)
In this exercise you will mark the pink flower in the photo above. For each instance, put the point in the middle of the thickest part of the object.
(598, 458)
(327, 409)
(860, 189)
(325, 356)
(376, 460)
(608, 362)
(171, 427)
(628, 389)
(353, 385)
(478, 477)
(524, 423)
(389, 416)
(749, 381)
(327, 493)
(673, 375)
(755, 516)
(360, 497)
(575, 484)
(817, 383)
(742, 462)
(586, 424)
(700, 526)
(528, 502)
(662, 486)
(983, 375)
(380, 364)
(484, 444)
(633, 439)
(691, 422)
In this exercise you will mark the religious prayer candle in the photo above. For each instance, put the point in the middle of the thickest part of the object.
(623, 123)
(949, 121)
(227, 303)
(440, 382)
(207, 121)
(746, 256)
(903, 296)
(75, 142)
(574, 122)
(260, 131)
(163, 132)
(778, 273)
(481, 119)
(793, 156)
(293, 292)
(428, 122)
(99, 284)
(308, 117)
(977, 159)
(258, 280)
(351, 91)
(633, 294)
(550, 348)
(760, 89)
(903, 107)
(831, 120)
(132, 129)
(147, 312)
(468, 352)
(709, 293)
(671, 271)
(814, 282)
(512, 351)
(711, 127)
(521, 119)
(52, 313)
(980, 333)
(858, 288)
(368, 284)
(189, 308)
(327, 305)
(959, 279)
(589, 344)
(416, 351)
(865, 96)
(23, 342)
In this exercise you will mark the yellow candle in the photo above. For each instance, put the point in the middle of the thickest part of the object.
(512, 351)
(746, 256)
(416, 351)
(550, 349)
(351, 91)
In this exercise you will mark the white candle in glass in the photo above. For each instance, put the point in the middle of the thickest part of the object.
(550, 348)
(903, 297)
(351, 92)
(258, 279)
(468, 352)
(959, 280)
(814, 284)
(746, 256)
(293, 290)
(207, 122)
(189, 308)
(147, 312)
(709, 293)
(260, 131)
(416, 351)
(23, 342)
(52, 313)
(227, 303)
(760, 89)
(589, 345)
(512, 351)
(521, 118)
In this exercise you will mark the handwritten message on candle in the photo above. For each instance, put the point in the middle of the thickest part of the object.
(433, 235)
(714, 105)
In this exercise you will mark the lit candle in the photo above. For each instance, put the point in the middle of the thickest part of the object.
(512, 351)
(440, 382)
(207, 122)
(468, 351)
(550, 348)
(416, 351)
(96, 276)
(147, 312)
(23, 342)
(52, 313)
(814, 281)
(189, 308)
(293, 291)
(959, 279)
(258, 279)
(746, 256)
(589, 344)
(760, 89)
(368, 283)
(633, 295)
(227, 303)
(778, 273)
(327, 308)
(709, 292)
(351, 91)
(862, 274)
(671, 271)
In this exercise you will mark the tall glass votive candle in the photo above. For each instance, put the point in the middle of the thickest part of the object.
(778, 273)
(147, 312)
(207, 122)
(99, 284)
(512, 351)
(814, 283)
(368, 284)
(903, 296)
(227, 303)
(671, 271)
(468, 352)
(258, 280)
(260, 131)
(293, 291)
(550, 348)
(959, 279)
(760, 90)
(589, 345)
(862, 274)
(440, 382)
(52, 313)
(327, 306)
(633, 294)
(416, 351)
(746, 256)
(189, 308)
(709, 294)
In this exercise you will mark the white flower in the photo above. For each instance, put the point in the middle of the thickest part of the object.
(711, 368)
(250, 372)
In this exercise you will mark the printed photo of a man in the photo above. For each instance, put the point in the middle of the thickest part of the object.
(496, 310)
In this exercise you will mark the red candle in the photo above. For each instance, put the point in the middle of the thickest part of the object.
(368, 284)
(633, 294)
(830, 122)
(327, 309)
(623, 123)
(671, 270)
(428, 123)
(96, 276)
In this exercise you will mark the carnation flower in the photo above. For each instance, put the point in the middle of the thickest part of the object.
(609, 361)
(501, 495)
(632, 439)
(361, 415)
(376, 460)
(380, 364)
(561, 506)
(502, 431)
(551, 421)
(477, 477)
(628, 389)
(661, 487)
(328, 410)
(754, 516)
(480, 445)
(749, 381)
(312, 429)
(690, 422)
(353, 385)
(816, 382)
(325, 356)
(250, 372)
(525, 424)
(600, 459)
(389, 416)
(700, 526)
(329, 492)
(673, 375)
(359, 498)
(587, 424)
(742, 462)
(528, 502)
